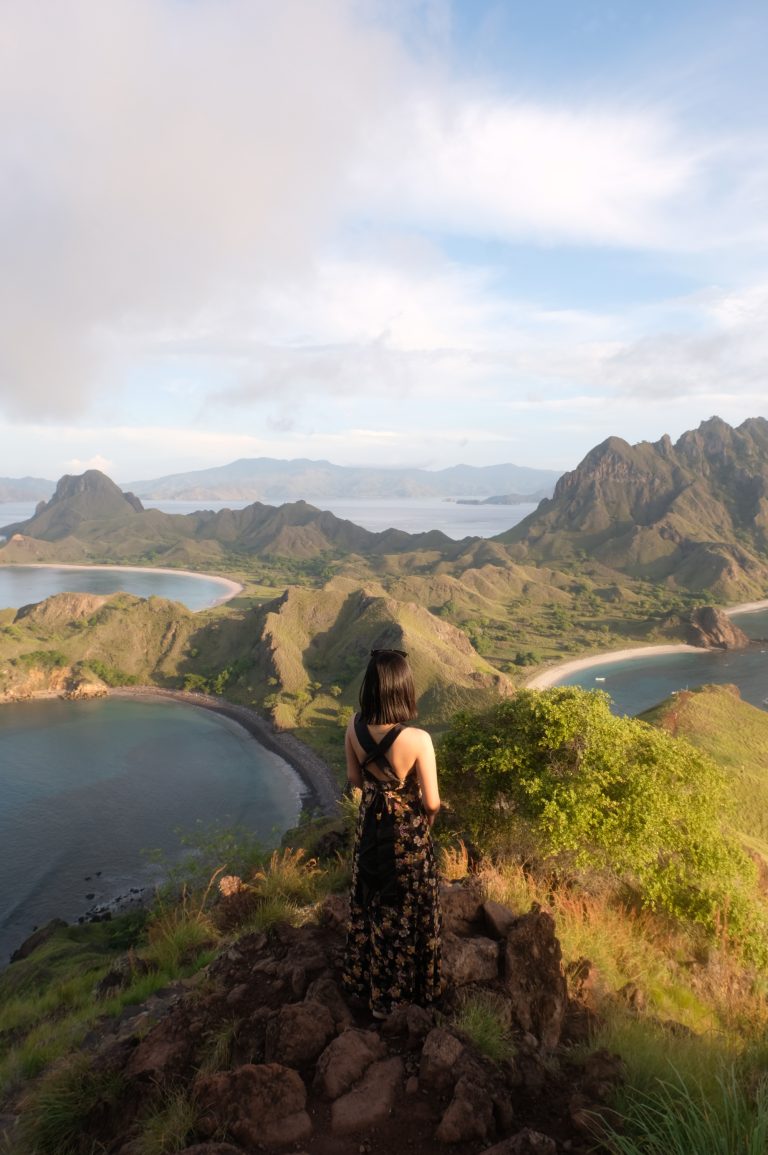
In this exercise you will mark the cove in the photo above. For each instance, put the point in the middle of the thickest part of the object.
(22, 585)
(638, 683)
(86, 787)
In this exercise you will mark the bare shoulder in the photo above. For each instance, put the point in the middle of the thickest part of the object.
(418, 737)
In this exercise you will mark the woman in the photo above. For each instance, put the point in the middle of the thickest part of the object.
(393, 942)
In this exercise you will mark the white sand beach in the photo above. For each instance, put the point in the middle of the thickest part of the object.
(549, 677)
(747, 608)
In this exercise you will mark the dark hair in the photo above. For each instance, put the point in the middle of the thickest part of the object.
(387, 693)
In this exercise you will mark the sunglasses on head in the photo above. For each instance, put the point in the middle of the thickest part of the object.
(378, 653)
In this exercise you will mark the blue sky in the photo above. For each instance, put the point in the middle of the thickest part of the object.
(376, 231)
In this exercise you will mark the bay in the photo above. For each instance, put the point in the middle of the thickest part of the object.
(639, 683)
(86, 787)
(20, 585)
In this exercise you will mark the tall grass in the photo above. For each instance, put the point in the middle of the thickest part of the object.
(54, 1116)
(480, 1017)
(681, 1117)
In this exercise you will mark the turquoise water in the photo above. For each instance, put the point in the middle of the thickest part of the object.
(640, 683)
(85, 787)
(22, 585)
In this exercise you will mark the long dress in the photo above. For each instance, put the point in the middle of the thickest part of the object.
(393, 936)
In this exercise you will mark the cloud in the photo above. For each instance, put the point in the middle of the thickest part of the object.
(499, 167)
(95, 462)
(155, 155)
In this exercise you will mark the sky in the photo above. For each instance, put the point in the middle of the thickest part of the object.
(378, 232)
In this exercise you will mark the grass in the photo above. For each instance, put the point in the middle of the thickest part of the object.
(168, 1124)
(681, 1117)
(480, 1017)
(55, 1114)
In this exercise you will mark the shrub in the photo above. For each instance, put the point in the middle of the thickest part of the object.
(559, 776)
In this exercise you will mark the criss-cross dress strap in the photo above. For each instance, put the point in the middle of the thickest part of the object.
(376, 752)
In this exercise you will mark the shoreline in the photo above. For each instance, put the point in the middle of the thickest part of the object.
(232, 588)
(322, 790)
(548, 678)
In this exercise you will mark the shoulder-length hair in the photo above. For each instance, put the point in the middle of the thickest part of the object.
(387, 694)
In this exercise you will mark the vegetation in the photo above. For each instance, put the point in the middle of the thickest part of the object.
(577, 789)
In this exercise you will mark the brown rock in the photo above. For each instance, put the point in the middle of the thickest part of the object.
(345, 1060)
(371, 1101)
(525, 1142)
(497, 919)
(469, 1115)
(462, 908)
(412, 1022)
(603, 1073)
(212, 1149)
(324, 990)
(439, 1056)
(298, 1033)
(255, 1104)
(634, 996)
(167, 1050)
(711, 627)
(533, 977)
(469, 960)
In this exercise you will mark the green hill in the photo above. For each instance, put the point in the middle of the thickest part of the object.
(735, 735)
(693, 514)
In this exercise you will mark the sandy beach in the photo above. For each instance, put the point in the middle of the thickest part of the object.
(549, 677)
(232, 588)
(747, 608)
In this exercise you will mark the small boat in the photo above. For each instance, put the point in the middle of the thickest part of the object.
(599, 679)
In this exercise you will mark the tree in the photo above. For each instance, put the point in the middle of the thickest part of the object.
(560, 777)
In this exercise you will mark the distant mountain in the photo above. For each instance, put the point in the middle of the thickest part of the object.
(25, 488)
(694, 513)
(91, 518)
(274, 480)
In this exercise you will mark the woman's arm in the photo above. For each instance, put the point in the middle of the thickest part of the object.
(426, 771)
(354, 773)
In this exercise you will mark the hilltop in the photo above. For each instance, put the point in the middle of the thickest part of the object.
(735, 735)
(693, 514)
(273, 480)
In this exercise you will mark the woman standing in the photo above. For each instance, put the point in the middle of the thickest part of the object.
(393, 942)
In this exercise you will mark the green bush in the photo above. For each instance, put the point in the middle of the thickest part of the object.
(560, 777)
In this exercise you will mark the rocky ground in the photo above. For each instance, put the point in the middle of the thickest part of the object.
(277, 1060)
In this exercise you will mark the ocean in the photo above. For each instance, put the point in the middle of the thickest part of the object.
(88, 789)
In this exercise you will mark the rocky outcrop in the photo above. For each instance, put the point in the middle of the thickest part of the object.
(305, 1070)
(711, 627)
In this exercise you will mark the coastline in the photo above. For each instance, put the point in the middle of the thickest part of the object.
(548, 678)
(322, 790)
(232, 588)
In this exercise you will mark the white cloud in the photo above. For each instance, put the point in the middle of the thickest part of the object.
(521, 171)
(76, 465)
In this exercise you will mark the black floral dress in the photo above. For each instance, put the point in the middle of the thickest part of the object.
(393, 938)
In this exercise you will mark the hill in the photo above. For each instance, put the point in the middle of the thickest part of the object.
(274, 480)
(89, 518)
(693, 514)
(735, 735)
(25, 488)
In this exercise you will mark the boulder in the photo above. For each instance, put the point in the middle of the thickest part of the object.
(469, 960)
(462, 908)
(410, 1022)
(497, 919)
(371, 1101)
(298, 1033)
(324, 990)
(345, 1060)
(469, 1115)
(525, 1142)
(255, 1104)
(439, 1056)
(533, 977)
(711, 627)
